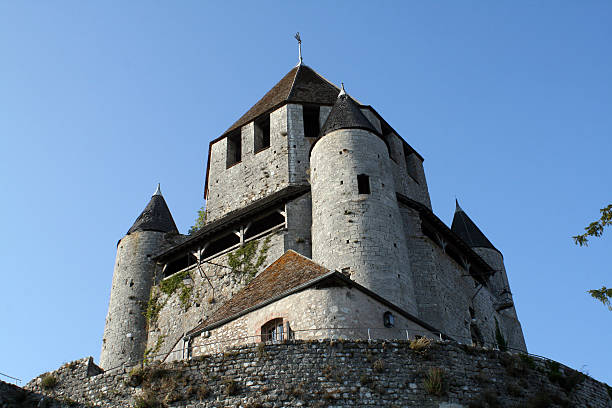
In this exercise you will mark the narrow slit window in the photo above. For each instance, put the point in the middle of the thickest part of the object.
(311, 121)
(262, 134)
(234, 148)
(363, 184)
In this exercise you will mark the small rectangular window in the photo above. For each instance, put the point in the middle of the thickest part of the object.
(311, 121)
(262, 134)
(363, 184)
(234, 148)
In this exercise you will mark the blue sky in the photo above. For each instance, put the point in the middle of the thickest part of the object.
(508, 102)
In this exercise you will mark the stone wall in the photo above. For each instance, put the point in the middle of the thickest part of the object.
(256, 176)
(445, 293)
(331, 312)
(359, 233)
(338, 374)
(183, 309)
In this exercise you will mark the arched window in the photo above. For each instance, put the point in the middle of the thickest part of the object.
(273, 331)
(388, 319)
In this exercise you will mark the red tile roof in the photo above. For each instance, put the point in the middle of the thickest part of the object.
(287, 272)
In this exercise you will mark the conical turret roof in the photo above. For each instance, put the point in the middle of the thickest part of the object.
(467, 230)
(300, 85)
(346, 114)
(155, 217)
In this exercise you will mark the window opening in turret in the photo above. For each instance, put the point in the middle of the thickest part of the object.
(311, 121)
(273, 331)
(411, 163)
(234, 148)
(363, 184)
(262, 134)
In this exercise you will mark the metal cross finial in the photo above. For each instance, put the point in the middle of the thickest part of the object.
(299, 40)
(342, 91)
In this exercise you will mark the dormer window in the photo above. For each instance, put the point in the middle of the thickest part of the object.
(234, 148)
(262, 134)
(311, 121)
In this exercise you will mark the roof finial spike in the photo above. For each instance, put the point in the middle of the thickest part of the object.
(299, 40)
(342, 91)
(158, 190)
(457, 207)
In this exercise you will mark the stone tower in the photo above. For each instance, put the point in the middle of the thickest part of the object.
(125, 332)
(356, 221)
(469, 232)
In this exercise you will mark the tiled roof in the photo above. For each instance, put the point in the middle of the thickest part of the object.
(155, 217)
(301, 85)
(287, 272)
(467, 230)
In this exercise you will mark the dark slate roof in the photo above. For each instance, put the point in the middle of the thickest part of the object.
(301, 85)
(467, 230)
(155, 217)
(223, 223)
(346, 114)
(289, 271)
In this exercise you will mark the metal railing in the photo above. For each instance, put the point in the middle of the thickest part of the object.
(15, 379)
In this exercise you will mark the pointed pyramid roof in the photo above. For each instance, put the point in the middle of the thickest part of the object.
(346, 114)
(155, 217)
(301, 85)
(467, 230)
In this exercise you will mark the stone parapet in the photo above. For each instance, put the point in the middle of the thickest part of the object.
(339, 374)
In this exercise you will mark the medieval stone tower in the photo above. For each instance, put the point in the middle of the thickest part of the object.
(318, 224)
(125, 334)
(356, 223)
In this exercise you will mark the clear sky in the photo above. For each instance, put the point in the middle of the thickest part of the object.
(509, 103)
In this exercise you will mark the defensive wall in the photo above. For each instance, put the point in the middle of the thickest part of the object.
(329, 373)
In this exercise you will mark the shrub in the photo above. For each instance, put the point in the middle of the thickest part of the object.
(378, 366)
(48, 382)
(147, 400)
(528, 361)
(135, 377)
(434, 382)
(420, 344)
(203, 391)
(514, 390)
(365, 379)
(231, 388)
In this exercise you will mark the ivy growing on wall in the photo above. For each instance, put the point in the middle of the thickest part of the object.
(502, 343)
(168, 287)
(247, 260)
(150, 353)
